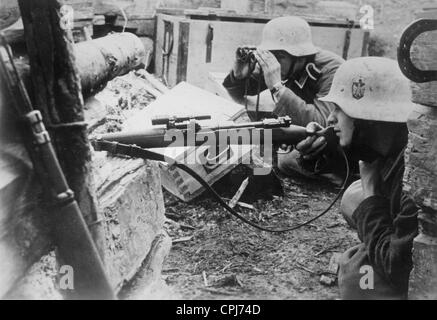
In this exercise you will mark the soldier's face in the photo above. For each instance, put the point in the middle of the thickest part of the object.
(286, 62)
(343, 126)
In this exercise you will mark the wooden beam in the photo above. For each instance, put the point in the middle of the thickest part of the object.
(57, 93)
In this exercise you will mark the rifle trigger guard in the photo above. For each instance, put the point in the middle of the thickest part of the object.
(406, 65)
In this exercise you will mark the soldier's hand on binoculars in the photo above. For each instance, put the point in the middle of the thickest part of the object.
(270, 67)
(242, 67)
(241, 70)
(311, 147)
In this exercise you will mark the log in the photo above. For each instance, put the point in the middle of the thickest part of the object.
(9, 13)
(103, 59)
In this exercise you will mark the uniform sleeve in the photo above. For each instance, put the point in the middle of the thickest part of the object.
(301, 112)
(388, 241)
(237, 88)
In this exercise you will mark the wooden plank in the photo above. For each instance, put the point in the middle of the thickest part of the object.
(365, 45)
(347, 43)
(183, 43)
(226, 15)
(228, 36)
(141, 27)
(131, 200)
(159, 42)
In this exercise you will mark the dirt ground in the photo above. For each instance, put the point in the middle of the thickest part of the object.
(216, 256)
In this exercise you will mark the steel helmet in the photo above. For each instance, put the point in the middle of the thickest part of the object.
(371, 88)
(291, 34)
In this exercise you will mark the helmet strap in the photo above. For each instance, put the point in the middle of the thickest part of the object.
(365, 148)
(359, 148)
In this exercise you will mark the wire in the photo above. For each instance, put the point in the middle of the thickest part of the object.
(123, 13)
(135, 151)
(255, 225)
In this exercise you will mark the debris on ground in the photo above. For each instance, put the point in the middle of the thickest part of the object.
(241, 262)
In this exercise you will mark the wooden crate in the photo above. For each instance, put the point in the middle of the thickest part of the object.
(185, 187)
(205, 42)
(180, 102)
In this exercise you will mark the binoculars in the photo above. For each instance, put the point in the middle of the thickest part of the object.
(246, 54)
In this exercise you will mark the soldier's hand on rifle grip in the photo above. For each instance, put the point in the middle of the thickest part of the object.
(311, 147)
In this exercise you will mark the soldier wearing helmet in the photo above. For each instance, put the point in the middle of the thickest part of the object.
(373, 101)
(295, 71)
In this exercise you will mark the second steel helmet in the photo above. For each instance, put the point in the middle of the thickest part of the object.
(371, 88)
(290, 34)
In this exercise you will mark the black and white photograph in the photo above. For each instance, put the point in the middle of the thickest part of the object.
(220, 156)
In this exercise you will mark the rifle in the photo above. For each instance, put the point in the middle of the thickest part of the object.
(73, 241)
(168, 130)
(280, 130)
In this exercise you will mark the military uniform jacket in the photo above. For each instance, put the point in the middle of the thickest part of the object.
(301, 104)
(387, 225)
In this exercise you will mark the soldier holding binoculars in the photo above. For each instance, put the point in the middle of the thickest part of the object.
(296, 72)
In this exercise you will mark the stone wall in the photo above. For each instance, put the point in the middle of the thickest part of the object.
(420, 179)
